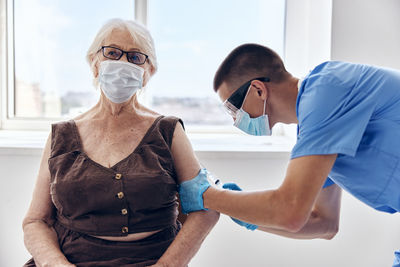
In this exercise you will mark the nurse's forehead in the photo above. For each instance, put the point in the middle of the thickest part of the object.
(224, 92)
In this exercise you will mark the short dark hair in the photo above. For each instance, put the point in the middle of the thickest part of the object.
(249, 61)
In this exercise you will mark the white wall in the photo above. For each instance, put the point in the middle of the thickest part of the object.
(17, 177)
(366, 31)
(308, 34)
(367, 238)
(362, 31)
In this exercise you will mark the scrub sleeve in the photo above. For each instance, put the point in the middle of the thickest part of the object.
(332, 118)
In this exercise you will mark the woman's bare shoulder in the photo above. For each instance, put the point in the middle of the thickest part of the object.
(83, 116)
(149, 112)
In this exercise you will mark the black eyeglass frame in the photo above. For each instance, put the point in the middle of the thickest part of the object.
(122, 54)
(235, 101)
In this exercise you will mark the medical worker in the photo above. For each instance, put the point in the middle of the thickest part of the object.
(348, 137)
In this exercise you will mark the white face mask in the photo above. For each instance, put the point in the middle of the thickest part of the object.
(120, 80)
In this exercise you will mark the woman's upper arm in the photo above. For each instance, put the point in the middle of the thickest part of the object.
(186, 164)
(41, 207)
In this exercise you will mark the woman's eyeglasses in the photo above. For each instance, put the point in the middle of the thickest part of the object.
(115, 53)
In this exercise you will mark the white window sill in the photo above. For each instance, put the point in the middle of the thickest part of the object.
(232, 145)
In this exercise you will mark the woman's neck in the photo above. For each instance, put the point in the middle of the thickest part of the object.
(105, 109)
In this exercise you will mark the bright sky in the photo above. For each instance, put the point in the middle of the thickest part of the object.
(191, 38)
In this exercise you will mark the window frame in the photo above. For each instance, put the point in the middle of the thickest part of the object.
(140, 14)
(3, 60)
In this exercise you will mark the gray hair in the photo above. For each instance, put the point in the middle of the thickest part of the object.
(140, 35)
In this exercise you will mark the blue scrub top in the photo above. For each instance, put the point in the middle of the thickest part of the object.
(353, 110)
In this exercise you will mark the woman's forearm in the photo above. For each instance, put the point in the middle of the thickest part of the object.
(41, 241)
(189, 239)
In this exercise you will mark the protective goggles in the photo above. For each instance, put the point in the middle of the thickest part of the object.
(235, 101)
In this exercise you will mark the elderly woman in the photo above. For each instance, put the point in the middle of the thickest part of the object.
(106, 193)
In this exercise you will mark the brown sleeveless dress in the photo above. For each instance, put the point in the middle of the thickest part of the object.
(137, 194)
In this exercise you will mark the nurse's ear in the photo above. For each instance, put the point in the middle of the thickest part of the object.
(260, 88)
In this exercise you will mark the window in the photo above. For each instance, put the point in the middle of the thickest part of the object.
(48, 77)
(192, 38)
(52, 77)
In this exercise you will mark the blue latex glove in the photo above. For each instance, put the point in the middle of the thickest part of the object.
(191, 192)
(235, 187)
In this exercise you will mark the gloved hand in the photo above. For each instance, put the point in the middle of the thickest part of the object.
(235, 187)
(191, 192)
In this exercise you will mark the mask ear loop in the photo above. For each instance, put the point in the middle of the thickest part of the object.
(265, 102)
